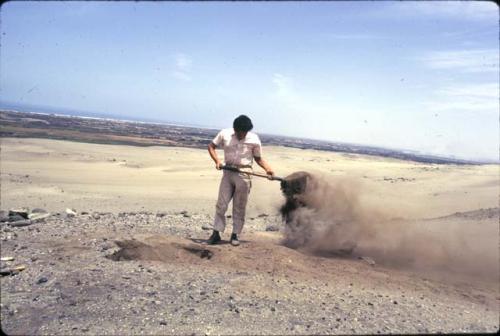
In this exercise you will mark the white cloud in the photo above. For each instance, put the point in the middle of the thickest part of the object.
(460, 10)
(284, 86)
(183, 65)
(479, 60)
(473, 97)
(485, 90)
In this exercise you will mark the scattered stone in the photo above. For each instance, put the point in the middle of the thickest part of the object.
(13, 270)
(272, 228)
(16, 218)
(42, 280)
(38, 211)
(70, 212)
(369, 260)
(263, 215)
(4, 216)
(105, 247)
(206, 254)
(161, 214)
(24, 222)
(38, 217)
(7, 258)
(23, 212)
(206, 227)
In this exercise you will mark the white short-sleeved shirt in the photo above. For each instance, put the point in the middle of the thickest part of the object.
(238, 152)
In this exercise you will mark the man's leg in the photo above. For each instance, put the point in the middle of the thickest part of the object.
(226, 191)
(243, 184)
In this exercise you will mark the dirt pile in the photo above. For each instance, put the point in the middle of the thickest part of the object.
(331, 216)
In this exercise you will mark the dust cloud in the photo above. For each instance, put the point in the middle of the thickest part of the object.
(333, 218)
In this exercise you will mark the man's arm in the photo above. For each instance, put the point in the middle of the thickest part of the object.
(213, 155)
(261, 162)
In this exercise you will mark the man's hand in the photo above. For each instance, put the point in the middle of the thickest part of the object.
(270, 174)
(218, 165)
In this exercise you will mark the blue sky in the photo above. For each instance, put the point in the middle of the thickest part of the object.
(421, 76)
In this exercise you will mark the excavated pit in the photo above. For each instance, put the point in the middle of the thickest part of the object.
(165, 252)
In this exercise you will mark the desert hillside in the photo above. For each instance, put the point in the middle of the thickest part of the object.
(130, 258)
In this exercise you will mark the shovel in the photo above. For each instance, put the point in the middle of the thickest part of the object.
(235, 169)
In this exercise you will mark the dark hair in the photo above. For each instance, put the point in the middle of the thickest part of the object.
(242, 123)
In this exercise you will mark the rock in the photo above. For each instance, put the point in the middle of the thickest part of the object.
(206, 227)
(38, 211)
(16, 218)
(42, 280)
(206, 254)
(369, 260)
(263, 215)
(19, 223)
(23, 212)
(70, 212)
(38, 217)
(105, 247)
(4, 216)
(13, 270)
(272, 228)
(7, 258)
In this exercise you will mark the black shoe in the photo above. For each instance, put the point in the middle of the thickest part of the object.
(214, 238)
(234, 240)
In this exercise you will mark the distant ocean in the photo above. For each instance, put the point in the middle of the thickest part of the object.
(98, 115)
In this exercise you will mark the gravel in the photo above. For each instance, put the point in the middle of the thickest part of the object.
(72, 285)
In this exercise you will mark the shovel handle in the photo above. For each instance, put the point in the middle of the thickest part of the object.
(235, 169)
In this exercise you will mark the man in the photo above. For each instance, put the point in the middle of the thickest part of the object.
(241, 147)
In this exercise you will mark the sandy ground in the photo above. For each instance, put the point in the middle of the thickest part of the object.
(77, 283)
(55, 174)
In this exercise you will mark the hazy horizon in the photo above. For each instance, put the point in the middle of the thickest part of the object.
(46, 110)
(415, 76)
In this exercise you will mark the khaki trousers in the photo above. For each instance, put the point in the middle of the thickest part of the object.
(235, 186)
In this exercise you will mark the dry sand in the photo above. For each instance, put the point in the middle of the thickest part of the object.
(262, 287)
(55, 174)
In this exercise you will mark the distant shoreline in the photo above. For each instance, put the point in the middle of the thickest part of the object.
(144, 133)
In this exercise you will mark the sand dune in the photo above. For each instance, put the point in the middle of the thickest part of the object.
(165, 178)
(137, 253)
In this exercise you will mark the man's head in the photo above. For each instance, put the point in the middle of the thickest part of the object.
(242, 125)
